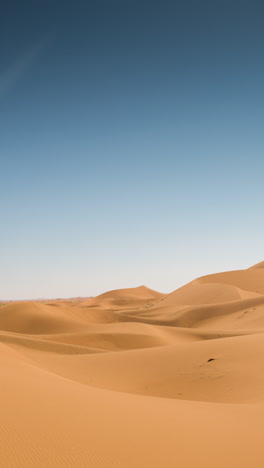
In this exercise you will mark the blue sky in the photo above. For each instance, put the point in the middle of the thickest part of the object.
(131, 143)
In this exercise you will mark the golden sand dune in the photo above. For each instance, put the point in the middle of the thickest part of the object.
(249, 280)
(135, 378)
(131, 297)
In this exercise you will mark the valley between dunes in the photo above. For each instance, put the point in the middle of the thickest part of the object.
(136, 378)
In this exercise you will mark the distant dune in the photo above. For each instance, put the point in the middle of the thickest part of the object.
(70, 299)
(136, 378)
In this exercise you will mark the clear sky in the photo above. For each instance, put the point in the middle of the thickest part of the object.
(131, 143)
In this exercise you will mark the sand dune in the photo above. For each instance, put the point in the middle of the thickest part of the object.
(136, 378)
(131, 297)
(258, 265)
(35, 318)
(248, 280)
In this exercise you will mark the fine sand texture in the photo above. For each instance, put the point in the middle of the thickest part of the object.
(135, 378)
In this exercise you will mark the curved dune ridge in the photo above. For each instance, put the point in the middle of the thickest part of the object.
(258, 265)
(131, 297)
(136, 378)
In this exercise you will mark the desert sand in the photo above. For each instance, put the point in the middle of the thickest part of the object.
(136, 378)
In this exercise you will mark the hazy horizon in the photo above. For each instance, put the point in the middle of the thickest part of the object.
(131, 144)
(39, 298)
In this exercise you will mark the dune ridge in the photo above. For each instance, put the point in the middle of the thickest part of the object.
(136, 378)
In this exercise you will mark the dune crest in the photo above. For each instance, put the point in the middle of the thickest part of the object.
(258, 265)
(136, 378)
(120, 298)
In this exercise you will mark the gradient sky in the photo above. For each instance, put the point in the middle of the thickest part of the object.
(131, 143)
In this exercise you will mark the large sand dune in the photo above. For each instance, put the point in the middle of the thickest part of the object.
(135, 378)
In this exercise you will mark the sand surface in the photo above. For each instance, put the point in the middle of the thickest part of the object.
(136, 378)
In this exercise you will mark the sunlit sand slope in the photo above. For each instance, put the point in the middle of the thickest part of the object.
(135, 378)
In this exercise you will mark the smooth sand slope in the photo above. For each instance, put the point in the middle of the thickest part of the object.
(135, 378)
